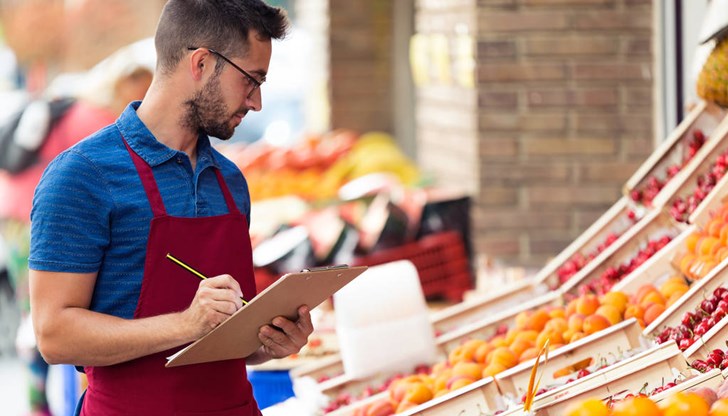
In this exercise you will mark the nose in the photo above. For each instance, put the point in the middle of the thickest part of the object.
(254, 100)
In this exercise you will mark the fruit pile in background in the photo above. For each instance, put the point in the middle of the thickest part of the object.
(653, 185)
(318, 165)
(682, 207)
(649, 302)
(716, 359)
(696, 323)
(706, 248)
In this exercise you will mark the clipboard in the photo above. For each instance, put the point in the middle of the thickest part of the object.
(237, 337)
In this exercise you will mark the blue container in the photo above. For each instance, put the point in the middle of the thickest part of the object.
(270, 387)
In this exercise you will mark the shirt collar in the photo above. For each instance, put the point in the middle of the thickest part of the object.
(143, 142)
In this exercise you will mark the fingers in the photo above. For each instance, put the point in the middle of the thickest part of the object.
(285, 337)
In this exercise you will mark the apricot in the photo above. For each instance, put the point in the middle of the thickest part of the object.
(538, 320)
(503, 356)
(492, 369)
(576, 336)
(719, 408)
(643, 291)
(404, 406)
(652, 312)
(571, 307)
(380, 408)
(636, 406)
(686, 264)
(551, 336)
(471, 370)
(611, 313)
(713, 227)
(595, 323)
(691, 242)
(557, 325)
(587, 304)
(519, 346)
(724, 235)
(668, 288)
(482, 352)
(675, 297)
(588, 407)
(529, 354)
(557, 312)
(616, 299)
(634, 311)
(464, 352)
(708, 245)
(682, 403)
(522, 319)
(529, 335)
(576, 322)
(653, 297)
(457, 382)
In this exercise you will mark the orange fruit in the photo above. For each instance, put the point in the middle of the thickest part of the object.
(571, 307)
(652, 298)
(529, 335)
(653, 312)
(691, 242)
(471, 370)
(588, 407)
(418, 393)
(587, 304)
(634, 311)
(636, 406)
(668, 288)
(522, 319)
(538, 320)
(528, 354)
(557, 325)
(642, 292)
(595, 323)
(708, 245)
(719, 408)
(724, 234)
(492, 369)
(557, 312)
(503, 356)
(521, 345)
(675, 297)
(576, 336)
(576, 322)
(611, 313)
(713, 227)
(680, 404)
(616, 299)
(482, 352)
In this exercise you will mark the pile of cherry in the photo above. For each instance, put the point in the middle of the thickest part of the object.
(682, 207)
(716, 359)
(611, 275)
(654, 184)
(696, 323)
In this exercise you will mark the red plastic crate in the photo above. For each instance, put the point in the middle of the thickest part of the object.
(441, 262)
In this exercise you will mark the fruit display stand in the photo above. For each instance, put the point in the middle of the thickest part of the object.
(698, 291)
(490, 325)
(602, 233)
(472, 310)
(656, 268)
(481, 397)
(563, 362)
(655, 225)
(690, 186)
(320, 370)
(648, 370)
(672, 153)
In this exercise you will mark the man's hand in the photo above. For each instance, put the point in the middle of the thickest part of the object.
(216, 299)
(285, 337)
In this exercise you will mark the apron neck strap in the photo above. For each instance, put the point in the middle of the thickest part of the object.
(148, 181)
(232, 208)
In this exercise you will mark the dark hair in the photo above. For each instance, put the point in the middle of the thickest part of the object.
(219, 24)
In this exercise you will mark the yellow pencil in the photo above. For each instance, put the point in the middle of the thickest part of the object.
(193, 271)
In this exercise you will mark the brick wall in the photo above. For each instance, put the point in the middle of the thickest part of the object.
(563, 116)
(360, 64)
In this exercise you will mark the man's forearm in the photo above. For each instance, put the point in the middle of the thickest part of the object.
(81, 337)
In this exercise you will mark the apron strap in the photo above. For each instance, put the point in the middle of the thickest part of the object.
(232, 207)
(150, 184)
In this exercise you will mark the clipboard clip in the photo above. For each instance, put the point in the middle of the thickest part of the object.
(324, 268)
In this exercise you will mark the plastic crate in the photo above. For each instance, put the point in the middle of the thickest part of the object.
(440, 259)
(270, 386)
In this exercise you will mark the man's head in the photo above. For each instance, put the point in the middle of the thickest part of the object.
(224, 25)
(222, 49)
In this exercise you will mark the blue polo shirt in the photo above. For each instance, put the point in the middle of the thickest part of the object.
(91, 214)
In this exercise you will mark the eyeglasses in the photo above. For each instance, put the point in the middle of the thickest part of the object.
(251, 79)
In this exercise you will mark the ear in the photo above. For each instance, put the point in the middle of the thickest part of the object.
(200, 62)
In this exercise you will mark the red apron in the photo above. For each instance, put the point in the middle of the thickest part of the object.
(213, 245)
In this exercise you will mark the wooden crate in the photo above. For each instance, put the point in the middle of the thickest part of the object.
(327, 367)
(670, 151)
(616, 220)
(715, 199)
(683, 184)
(712, 379)
(473, 310)
(698, 291)
(477, 398)
(650, 368)
(654, 225)
(658, 268)
(488, 326)
(624, 336)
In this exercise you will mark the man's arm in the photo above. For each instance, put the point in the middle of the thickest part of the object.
(68, 332)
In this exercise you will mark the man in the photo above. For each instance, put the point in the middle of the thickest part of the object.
(107, 212)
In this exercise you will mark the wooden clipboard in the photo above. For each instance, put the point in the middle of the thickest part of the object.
(237, 337)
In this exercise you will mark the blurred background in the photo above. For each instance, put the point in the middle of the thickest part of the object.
(514, 123)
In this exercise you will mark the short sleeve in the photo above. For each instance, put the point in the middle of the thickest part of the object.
(70, 218)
